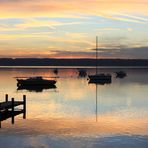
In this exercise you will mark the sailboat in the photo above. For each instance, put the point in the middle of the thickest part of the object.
(99, 78)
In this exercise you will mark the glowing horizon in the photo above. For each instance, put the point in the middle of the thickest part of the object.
(67, 29)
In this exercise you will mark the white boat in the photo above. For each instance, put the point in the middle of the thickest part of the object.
(99, 78)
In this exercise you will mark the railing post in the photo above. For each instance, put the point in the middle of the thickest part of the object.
(6, 97)
(24, 106)
(12, 110)
(0, 115)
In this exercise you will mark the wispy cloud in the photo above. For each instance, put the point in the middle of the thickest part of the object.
(61, 8)
(76, 35)
(130, 53)
(114, 29)
(25, 53)
(139, 18)
(24, 35)
(72, 25)
(128, 18)
(39, 23)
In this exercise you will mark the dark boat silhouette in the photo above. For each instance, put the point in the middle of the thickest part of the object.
(35, 81)
(120, 74)
(99, 78)
(82, 72)
(55, 71)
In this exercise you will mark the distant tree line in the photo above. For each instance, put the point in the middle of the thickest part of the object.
(71, 62)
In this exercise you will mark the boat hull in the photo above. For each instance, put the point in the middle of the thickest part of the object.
(100, 79)
(82, 73)
(120, 74)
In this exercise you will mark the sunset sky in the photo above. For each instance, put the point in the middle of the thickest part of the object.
(67, 29)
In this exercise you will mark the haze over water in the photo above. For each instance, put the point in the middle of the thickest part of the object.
(70, 115)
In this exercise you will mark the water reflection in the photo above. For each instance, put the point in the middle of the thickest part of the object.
(119, 108)
(11, 114)
(96, 103)
(8, 110)
(99, 82)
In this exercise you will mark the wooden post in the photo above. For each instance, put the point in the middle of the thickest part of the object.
(12, 110)
(6, 97)
(0, 115)
(24, 106)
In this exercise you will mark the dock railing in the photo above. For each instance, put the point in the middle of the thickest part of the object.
(8, 109)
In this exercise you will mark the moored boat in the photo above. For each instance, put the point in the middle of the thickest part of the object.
(55, 71)
(82, 72)
(120, 74)
(35, 81)
(99, 78)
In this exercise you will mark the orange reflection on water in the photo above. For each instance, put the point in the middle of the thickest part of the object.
(82, 127)
(72, 109)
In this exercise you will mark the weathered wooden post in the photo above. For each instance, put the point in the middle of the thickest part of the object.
(6, 97)
(24, 106)
(0, 115)
(12, 110)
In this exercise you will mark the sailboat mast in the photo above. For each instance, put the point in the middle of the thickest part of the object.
(96, 54)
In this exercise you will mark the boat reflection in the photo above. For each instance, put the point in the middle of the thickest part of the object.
(36, 88)
(99, 81)
(96, 103)
(39, 80)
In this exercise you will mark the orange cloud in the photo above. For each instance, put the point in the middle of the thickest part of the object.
(50, 24)
(71, 37)
(63, 8)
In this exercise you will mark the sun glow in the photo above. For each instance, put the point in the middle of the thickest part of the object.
(71, 25)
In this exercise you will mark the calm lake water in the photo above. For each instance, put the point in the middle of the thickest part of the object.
(71, 115)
